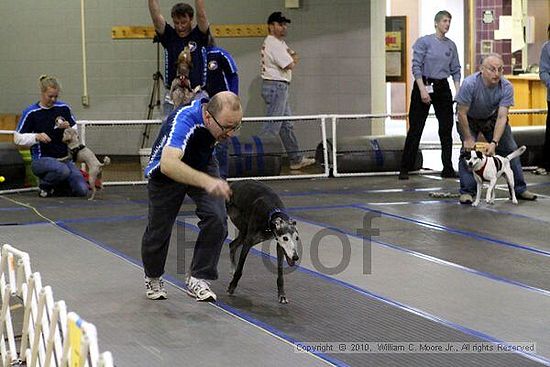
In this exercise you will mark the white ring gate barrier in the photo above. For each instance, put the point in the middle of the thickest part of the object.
(49, 336)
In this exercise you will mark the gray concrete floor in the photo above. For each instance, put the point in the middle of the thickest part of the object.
(480, 272)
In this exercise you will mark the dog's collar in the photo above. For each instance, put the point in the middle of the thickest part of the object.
(74, 151)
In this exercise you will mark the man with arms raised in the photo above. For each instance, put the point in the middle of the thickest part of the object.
(175, 38)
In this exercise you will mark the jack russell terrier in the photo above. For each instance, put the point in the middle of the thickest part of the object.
(489, 169)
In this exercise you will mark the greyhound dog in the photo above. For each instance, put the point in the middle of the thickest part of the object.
(490, 169)
(259, 215)
(80, 153)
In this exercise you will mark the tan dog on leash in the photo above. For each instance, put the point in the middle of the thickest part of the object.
(82, 154)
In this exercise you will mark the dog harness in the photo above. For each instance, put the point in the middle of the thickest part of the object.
(74, 151)
(498, 165)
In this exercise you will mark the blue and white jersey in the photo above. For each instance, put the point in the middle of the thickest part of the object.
(183, 129)
(221, 73)
(483, 101)
(37, 119)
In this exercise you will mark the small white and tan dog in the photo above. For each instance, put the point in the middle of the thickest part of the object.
(489, 169)
(82, 154)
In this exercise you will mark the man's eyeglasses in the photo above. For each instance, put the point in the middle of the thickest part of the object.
(226, 129)
(492, 69)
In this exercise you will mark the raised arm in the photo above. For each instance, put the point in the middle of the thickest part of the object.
(158, 20)
(202, 20)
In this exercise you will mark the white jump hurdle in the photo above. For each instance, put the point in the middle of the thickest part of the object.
(50, 336)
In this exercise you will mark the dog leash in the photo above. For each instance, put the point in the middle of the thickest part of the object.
(444, 195)
(29, 207)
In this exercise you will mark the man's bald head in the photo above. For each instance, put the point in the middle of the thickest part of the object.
(223, 115)
(224, 100)
(490, 58)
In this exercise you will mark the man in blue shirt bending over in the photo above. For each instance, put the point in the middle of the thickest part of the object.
(182, 164)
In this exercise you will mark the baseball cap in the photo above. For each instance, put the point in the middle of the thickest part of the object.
(277, 17)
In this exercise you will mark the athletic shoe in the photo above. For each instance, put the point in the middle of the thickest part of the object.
(155, 288)
(45, 193)
(466, 199)
(200, 290)
(303, 163)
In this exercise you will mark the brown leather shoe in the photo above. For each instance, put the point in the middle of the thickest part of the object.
(527, 195)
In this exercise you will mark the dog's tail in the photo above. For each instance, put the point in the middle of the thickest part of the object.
(516, 153)
(106, 161)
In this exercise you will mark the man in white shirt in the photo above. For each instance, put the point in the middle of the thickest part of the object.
(277, 63)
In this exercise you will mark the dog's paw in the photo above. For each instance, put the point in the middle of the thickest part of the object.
(515, 201)
(475, 203)
(283, 300)
(230, 290)
(490, 202)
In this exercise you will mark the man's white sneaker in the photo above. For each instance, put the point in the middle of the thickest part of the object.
(155, 288)
(466, 199)
(45, 193)
(200, 290)
(303, 163)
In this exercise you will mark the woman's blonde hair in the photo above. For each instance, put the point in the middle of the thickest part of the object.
(47, 81)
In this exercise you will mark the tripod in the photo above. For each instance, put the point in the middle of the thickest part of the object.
(154, 100)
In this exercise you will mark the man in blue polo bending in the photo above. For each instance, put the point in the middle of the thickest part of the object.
(182, 164)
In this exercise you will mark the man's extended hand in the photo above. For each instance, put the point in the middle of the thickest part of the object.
(490, 149)
(469, 144)
(43, 138)
(218, 187)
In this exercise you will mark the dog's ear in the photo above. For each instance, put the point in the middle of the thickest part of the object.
(278, 223)
(293, 222)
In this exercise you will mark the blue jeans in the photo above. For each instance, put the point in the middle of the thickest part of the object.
(53, 174)
(275, 95)
(506, 145)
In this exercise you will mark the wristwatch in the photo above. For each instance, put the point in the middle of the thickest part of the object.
(495, 142)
